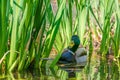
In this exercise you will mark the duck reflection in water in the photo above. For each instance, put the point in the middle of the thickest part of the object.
(73, 55)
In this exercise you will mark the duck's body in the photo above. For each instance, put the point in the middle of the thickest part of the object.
(68, 56)
(81, 56)
(73, 54)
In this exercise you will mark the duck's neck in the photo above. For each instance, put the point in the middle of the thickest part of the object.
(73, 49)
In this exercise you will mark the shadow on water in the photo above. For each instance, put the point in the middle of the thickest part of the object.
(72, 69)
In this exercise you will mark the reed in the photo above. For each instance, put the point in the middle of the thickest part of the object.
(53, 31)
(3, 28)
(29, 29)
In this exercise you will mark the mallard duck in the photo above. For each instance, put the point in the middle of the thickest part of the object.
(68, 55)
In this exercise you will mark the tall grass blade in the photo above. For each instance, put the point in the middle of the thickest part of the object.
(24, 35)
(117, 31)
(106, 28)
(53, 30)
(82, 18)
(96, 19)
(90, 52)
(13, 35)
(54, 62)
(3, 29)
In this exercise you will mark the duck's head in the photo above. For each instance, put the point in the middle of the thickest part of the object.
(75, 42)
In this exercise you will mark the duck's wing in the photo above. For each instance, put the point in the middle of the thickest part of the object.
(82, 59)
(81, 52)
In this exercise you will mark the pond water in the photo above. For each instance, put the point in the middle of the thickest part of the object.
(43, 74)
(97, 69)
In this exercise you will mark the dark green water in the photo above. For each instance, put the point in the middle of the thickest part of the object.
(41, 75)
(96, 70)
(63, 72)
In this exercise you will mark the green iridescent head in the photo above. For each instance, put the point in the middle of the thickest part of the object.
(74, 44)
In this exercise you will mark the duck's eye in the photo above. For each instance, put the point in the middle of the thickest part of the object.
(71, 44)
